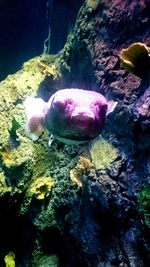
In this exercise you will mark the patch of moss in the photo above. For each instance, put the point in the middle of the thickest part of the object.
(10, 259)
(144, 203)
(102, 154)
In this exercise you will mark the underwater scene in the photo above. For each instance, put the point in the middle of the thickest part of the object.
(75, 133)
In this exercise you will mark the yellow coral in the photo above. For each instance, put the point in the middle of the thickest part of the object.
(83, 167)
(136, 58)
(41, 187)
(102, 153)
(10, 259)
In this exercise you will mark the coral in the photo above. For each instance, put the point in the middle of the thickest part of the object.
(10, 259)
(83, 167)
(144, 203)
(136, 59)
(41, 187)
(102, 154)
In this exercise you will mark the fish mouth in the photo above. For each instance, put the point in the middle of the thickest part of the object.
(82, 122)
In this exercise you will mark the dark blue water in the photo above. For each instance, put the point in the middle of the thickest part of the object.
(24, 26)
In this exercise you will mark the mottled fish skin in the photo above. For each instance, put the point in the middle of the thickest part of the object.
(75, 115)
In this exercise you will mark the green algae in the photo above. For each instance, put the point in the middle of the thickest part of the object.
(46, 261)
(144, 203)
(102, 154)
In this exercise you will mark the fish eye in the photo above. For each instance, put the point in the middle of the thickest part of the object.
(68, 102)
(57, 104)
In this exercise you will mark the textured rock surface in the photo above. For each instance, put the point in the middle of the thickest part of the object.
(105, 221)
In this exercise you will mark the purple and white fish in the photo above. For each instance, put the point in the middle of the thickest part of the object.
(71, 115)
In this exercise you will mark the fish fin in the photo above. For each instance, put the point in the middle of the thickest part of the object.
(35, 111)
(111, 105)
(51, 140)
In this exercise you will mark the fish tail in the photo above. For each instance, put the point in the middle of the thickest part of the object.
(35, 112)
